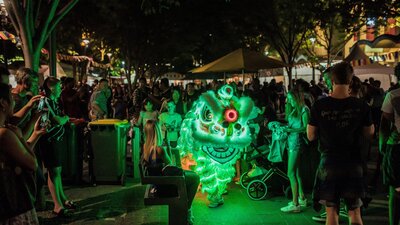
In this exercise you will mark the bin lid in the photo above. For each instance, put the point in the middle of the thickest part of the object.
(115, 122)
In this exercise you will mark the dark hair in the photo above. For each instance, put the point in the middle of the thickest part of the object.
(302, 85)
(68, 80)
(355, 85)
(5, 92)
(342, 73)
(165, 82)
(103, 80)
(48, 83)
(144, 103)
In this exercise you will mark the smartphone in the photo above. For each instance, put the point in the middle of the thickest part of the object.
(44, 112)
(44, 118)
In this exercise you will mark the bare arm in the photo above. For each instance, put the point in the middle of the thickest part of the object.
(22, 113)
(368, 132)
(37, 133)
(311, 132)
(17, 150)
(28, 129)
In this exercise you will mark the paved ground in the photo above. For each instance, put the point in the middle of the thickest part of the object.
(114, 204)
(107, 204)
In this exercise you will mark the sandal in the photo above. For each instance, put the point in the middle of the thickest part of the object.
(63, 213)
(70, 205)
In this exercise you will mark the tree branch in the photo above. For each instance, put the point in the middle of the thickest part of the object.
(61, 15)
(11, 15)
(16, 8)
(36, 16)
(62, 12)
(44, 33)
(29, 18)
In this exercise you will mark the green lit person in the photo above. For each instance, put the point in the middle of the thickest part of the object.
(147, 114)
(297, 115)
(170, 123)
(50, 150)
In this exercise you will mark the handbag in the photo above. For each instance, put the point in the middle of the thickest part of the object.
(17, 189)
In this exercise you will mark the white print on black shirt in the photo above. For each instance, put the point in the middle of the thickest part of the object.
(341, 118)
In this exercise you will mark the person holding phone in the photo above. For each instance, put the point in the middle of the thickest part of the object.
(49, 146)
(17, 166)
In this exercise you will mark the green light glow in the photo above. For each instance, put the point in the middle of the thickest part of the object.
(216, 140)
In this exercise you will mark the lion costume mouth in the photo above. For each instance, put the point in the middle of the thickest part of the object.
(221, 154)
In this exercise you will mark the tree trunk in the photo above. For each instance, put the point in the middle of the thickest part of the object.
(289, 73)
(74, 73)
(128, 73)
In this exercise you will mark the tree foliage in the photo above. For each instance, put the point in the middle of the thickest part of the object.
(33, 22)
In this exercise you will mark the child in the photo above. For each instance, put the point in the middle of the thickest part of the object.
(147, 114)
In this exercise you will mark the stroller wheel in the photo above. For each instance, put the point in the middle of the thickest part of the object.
(257, 190)
(288, 192)
(245, 180)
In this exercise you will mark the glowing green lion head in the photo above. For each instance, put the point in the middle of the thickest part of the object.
(219, 125)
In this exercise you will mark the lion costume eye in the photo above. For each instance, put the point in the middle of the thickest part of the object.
(206, 115)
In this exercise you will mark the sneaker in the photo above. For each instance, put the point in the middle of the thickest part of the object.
(302, 203)
(291, 208)
(320, 218)
(216, 202)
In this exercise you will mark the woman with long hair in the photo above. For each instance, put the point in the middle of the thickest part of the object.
(50, 149)
(155, 156)
(297, 115)
(17, 166)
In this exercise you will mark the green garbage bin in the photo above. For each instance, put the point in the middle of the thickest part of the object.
(71, 159)
(108, 141)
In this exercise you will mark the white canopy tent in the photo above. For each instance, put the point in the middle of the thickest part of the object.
(377, 71)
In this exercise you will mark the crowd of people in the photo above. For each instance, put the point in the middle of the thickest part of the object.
(340, 112)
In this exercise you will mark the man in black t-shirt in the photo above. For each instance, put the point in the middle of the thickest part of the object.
(337, 121)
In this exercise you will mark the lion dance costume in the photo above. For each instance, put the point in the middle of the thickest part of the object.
(215, 131)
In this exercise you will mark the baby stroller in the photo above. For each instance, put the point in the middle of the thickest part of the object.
(265, 162)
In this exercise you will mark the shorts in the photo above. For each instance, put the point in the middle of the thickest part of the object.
(50, 153)
(351, 203)
(391, 166)
(336, 181)
(295, 142)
